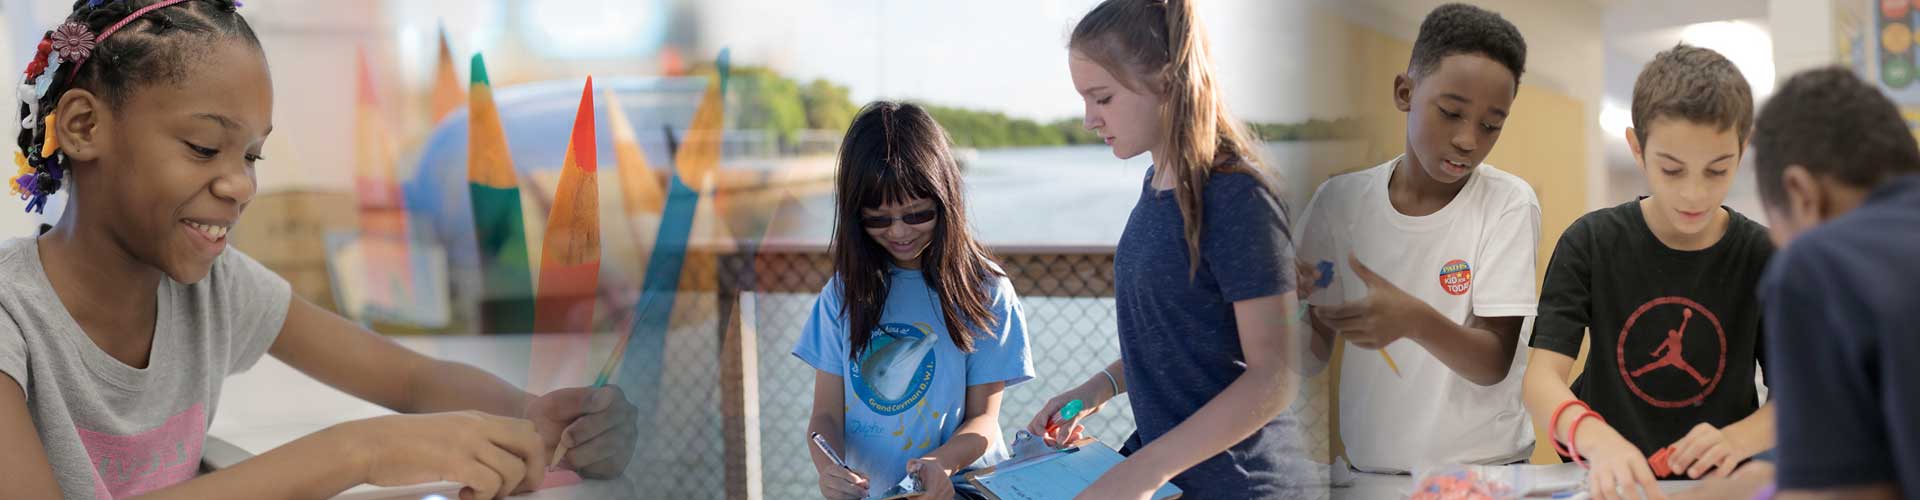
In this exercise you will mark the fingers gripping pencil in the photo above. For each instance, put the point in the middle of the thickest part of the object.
(1325, 278)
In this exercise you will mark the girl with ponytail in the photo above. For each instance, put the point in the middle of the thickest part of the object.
(1204, 283)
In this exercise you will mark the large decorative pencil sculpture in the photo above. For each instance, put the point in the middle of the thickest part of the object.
(507, 284)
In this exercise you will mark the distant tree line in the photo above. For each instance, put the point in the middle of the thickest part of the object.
(766, 100)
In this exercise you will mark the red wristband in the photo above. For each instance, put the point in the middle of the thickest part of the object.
(1574, 433)
(1553, 426)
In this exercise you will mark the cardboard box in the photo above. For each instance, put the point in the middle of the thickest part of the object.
(286, 231)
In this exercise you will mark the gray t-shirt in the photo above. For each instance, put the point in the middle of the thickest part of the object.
(113, 431)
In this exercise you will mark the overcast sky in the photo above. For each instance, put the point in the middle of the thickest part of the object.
(1002, 55)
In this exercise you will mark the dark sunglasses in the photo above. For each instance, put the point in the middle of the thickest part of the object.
(912, 219)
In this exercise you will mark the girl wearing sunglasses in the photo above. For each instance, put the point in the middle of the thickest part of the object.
(919, 331)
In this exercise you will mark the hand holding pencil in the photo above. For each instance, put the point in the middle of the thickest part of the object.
(1375, 320)
(1319, 276)
(593, 429)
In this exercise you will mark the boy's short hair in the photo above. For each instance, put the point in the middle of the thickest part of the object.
(1835, 125)
(1694, 84)
(1464, 29)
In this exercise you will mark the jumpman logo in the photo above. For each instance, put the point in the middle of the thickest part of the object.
(1669, 352)
(1709, 360)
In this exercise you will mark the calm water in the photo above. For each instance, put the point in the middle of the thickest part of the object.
(1075, 195)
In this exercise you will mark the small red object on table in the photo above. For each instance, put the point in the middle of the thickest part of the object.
(1659, 462)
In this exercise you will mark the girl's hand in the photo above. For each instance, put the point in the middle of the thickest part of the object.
(1092, 397)
(934, 479)
(1704, 448)
(597, 425)
(841, 483)
(493, 456)
(1616, 467)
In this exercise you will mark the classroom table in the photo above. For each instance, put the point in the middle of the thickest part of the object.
(1368, 486)
(272, 404)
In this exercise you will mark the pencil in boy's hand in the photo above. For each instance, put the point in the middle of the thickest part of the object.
(1326, 277)
(1323, 278)
(1389, 358)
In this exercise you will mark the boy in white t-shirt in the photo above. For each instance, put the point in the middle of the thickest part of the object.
(1435, 249)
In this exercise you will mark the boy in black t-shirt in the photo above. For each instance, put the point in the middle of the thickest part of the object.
(1663, 287)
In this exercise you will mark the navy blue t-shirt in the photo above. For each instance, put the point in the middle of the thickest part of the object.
(1178, 339)
(1843, 322)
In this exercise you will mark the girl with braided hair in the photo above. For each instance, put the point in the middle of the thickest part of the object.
(118, 325)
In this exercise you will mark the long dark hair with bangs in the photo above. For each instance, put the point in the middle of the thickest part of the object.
(895, 153)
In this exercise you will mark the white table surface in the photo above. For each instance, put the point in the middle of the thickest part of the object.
(273, 404)
(1368, 486)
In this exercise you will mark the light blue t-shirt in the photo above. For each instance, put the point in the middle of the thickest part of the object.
(907, 394)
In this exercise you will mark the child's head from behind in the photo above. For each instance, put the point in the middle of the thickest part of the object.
(1823, 141)
(1459, 86)
(157, 130)
(899, 201)
(1692, 111)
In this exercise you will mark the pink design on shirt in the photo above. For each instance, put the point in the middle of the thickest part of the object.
(166, 455)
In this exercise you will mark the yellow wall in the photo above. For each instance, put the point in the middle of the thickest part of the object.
(1544, 142)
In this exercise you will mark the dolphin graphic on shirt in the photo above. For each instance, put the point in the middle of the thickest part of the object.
(889, 367)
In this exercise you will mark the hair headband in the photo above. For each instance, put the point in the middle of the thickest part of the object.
(69, 45)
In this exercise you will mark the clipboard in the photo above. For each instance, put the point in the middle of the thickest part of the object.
(905, 496)
(908, 489)
(1054, 476)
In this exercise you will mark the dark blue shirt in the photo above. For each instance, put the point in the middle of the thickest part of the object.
(1178, 339)
(1843, 316)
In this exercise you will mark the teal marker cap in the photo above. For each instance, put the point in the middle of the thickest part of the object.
(1071, 409)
